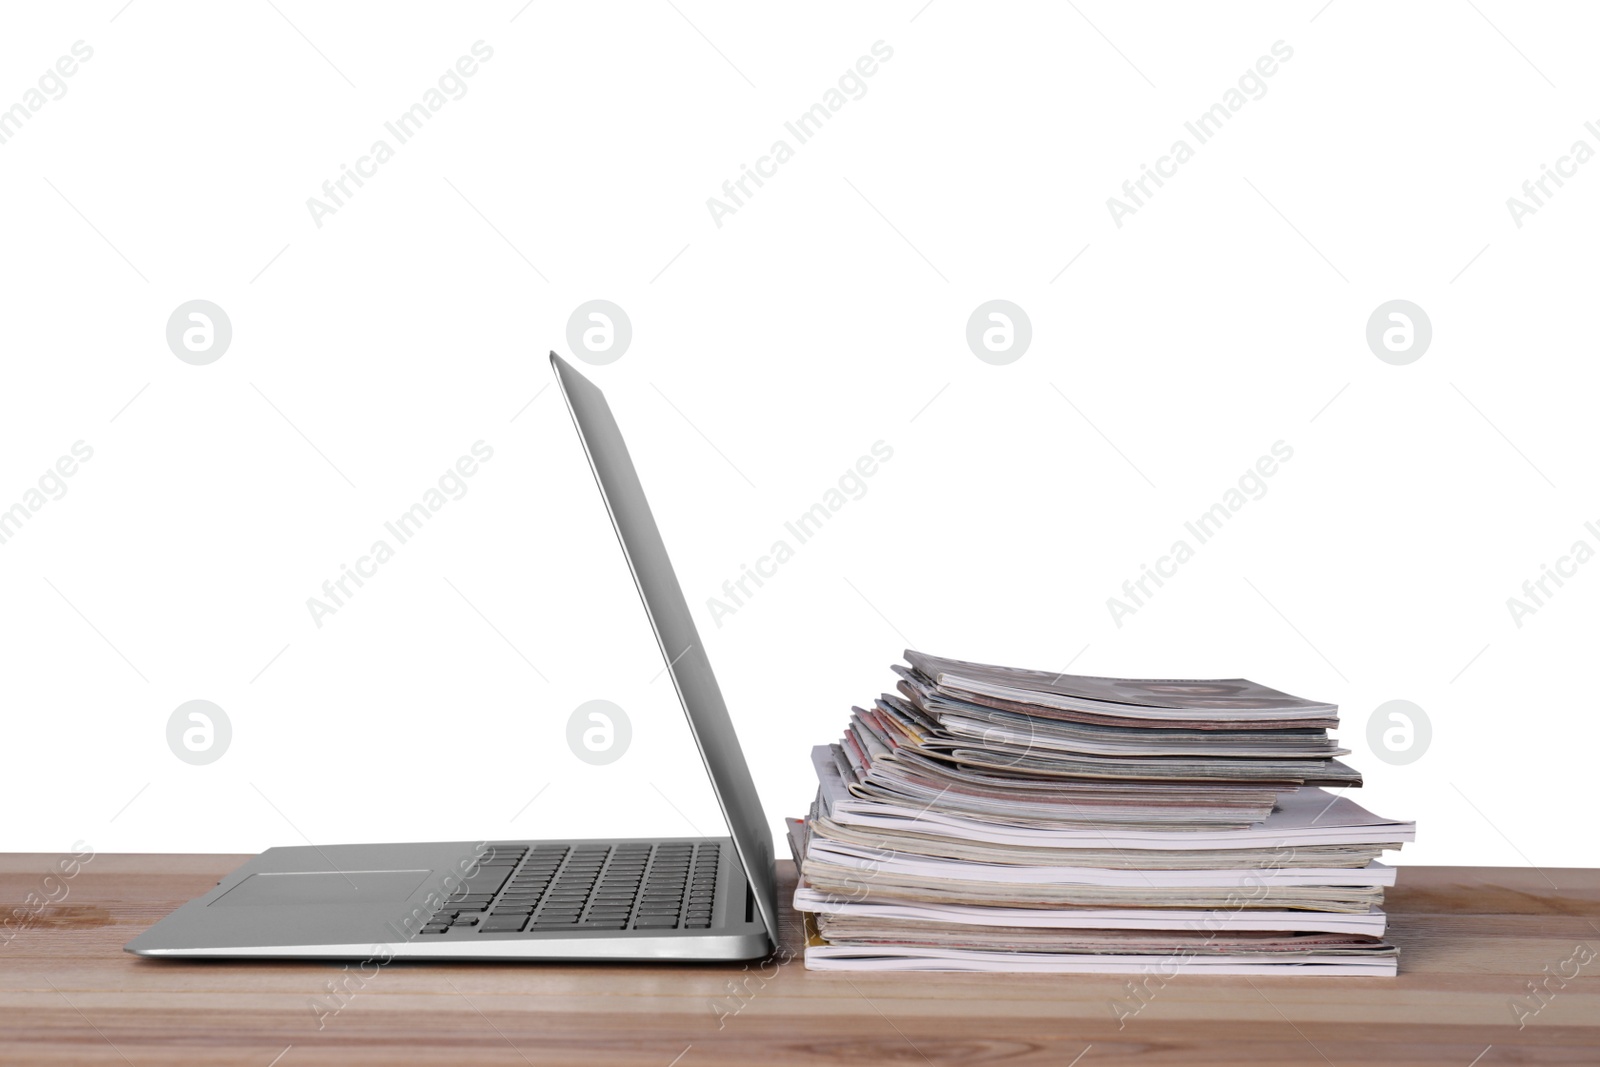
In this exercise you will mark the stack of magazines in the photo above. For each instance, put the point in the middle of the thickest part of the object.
(987, 818)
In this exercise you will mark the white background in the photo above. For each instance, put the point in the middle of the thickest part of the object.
(769, 353)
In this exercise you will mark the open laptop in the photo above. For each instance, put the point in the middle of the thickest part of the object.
(705, 898)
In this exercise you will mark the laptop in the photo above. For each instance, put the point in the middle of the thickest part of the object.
(634, 898)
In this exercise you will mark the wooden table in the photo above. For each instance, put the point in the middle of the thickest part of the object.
(1472, 939)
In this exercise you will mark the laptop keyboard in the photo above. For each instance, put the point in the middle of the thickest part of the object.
(669, 885)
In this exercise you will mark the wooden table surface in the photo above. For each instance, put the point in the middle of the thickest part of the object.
(1472, 940)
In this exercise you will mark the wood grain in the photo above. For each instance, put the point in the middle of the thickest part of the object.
(1471, 939)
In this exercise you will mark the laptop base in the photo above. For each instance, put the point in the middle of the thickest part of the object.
(590, 899)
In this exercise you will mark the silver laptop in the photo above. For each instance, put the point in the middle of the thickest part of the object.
(689, 898)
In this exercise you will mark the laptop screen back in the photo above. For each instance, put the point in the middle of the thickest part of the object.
(675, 633)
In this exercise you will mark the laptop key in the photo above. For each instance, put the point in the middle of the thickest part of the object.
(509, 924)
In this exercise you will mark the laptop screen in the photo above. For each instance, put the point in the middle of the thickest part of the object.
(675, 634)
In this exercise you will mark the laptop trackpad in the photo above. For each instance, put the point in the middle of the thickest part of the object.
(322, 887)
